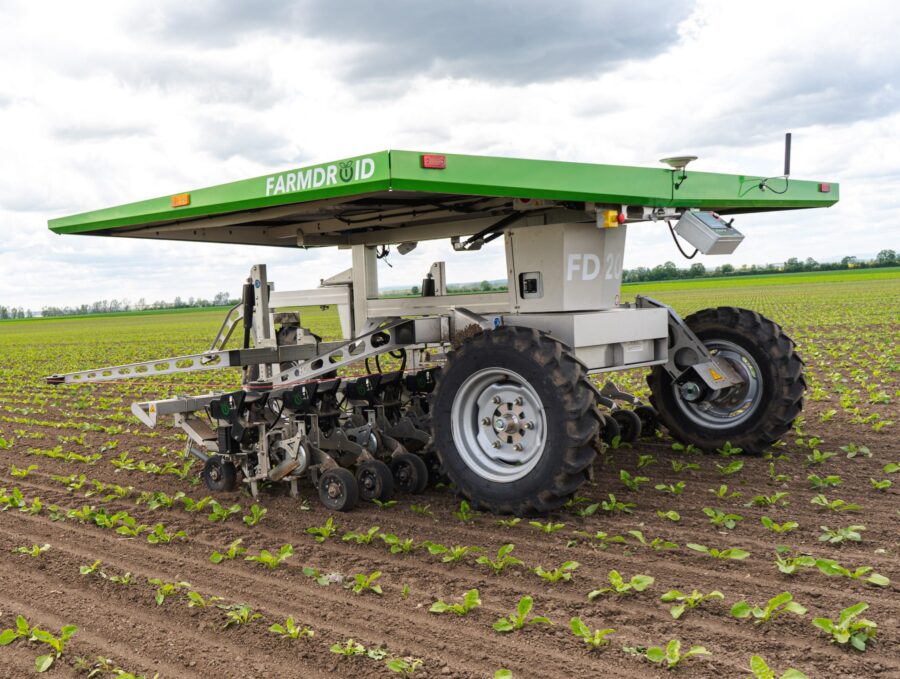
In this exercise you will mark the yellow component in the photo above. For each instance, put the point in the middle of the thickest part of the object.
(181, 200)
(610, 219)
(716, 376)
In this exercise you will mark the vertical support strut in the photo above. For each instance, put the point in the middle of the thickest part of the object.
(365, 285)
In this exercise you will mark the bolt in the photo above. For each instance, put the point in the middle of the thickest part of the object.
(519, 400)
(518, 447)
(485, 421)
(496, 400)
(529, 425)
(496, 444)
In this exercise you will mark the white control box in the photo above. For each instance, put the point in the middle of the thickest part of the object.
(708, 232)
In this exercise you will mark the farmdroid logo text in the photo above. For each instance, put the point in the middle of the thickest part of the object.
(316, 177)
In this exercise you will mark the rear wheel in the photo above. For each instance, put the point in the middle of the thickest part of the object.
(629, 425)
(752, 415)
(410, 473)
(219, 474)
(515, 421)
(375, 481)
(338, 490)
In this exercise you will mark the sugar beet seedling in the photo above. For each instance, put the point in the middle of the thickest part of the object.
(492, 390)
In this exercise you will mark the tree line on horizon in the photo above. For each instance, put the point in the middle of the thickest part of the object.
(661, 272)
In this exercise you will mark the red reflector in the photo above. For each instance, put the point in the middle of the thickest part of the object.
(181, 200)
(824, 188)
(621, 217)
(433, 162)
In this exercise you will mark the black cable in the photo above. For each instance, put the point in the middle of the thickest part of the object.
(385, 251)
(678, 245)
(764, 186)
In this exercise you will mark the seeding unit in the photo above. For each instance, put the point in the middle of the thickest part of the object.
(493, 390)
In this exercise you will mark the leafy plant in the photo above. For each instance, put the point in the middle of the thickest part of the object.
(349, 648)
(788, 564)
(270, 560)
(232, 551)
(777, 605)
(767, 500)
(671, 515)
(891, 468)
(239, 614)
(362, 538)
(817, 482)
(779, 528)
(637, 583)
(631, 482)
(509, 523)
(503, 560)
(563, 573)
(832, 567)
(548, 527)
(853, 450)
(220, 514)
(656, 543)
(366, 583)
(256, 515)
(884, 484)
(22, 473)
(451, 554)
(196, 600)
(58, 645)
(612, 506)
(518, 620)
(719, 518)
(645, 461)
(730, 553)
(674, 489)
(191, 505)
(397, 544)
(728, 450)
(593, 638)
(465, 513)
(671, 656)
(166, 589)
(34, 551)
(838, 536)
(291, 630)
(470, 601)
(405, 666)
(679, 467)
(732, 467)
(834, 505)
(21, 631)
(131, 528)
(761, 670)
(88, 570)
(848, 628)
(685, 601)
(159, 536)
(322, 533)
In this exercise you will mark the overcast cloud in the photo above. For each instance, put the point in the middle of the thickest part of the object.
(109, 102)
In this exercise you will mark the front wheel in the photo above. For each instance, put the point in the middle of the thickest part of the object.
(515, 421)
(752, 415)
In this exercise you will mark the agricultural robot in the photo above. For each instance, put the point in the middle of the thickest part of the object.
(491, 391)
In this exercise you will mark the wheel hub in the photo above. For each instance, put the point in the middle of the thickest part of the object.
(499, 425)
(334, 490)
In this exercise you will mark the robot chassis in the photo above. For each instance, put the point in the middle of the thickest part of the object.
(512, 421)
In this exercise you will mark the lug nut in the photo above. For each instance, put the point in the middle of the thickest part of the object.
(496, 444)
(518, 447)
(519, 401)
(485, 421)
(496, 400)
(529, 425)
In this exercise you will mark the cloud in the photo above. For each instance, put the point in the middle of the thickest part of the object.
(504, 41)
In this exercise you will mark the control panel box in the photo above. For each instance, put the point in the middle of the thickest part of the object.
(565, 267)
(708, 232)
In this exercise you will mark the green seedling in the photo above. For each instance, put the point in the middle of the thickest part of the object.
(238, 615)
(884, 484)
(645, 461)
(788, 564)
(191, 505)
(839, 536)
(159, 499)
(397, 544)
(424, 510)
(220, 514)
(679, 467)
(362, 538)
(34, 551)
(470, 601)
(834, 505)
(777, 605)
(452, 554)
(509, 523)
(732, 467)
(719, 518)
(685, 601)
(256, 515)
(612, 506)
(22, 473)
(384, 504)
(761, 670)
(322, 533)
(196, 600)
(366, 583)
(159, 536)
(728, 450)
(21, 631)
(233, 551)
(853, 450)
(674, 489)
(503, 560)
(563, 573)
(548, 527)
(818, 457)
(605, 539)
(131, 528)
(690, 448)
(118, 579)
(406, 666)
(631, 482)
(767, 500)
(518, 620)
(272, 561)
(818, 482)
(404, 593)
(638, 583)
(723, 493)
(671, 515)
(465, 513)
(848, 628)
(671, 656)
(730, 553)
(657, 544)
(291, 630)
(34, 508)
(503, 673)
(593, 638)
(166, 589)
(891, 468)
(89, 570)
(348, 649)
(44, 662)
(832, 567)
(776, 477)
(322, 579)
(779, 528)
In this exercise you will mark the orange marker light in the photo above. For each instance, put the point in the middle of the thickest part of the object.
(431, 161)
(181, 200)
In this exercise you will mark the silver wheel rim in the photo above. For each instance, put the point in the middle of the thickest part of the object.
(730, 406)
(498, 425)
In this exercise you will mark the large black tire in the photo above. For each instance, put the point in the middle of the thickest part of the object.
(564, 416)
(219, 474)
(338, 489)
(375, 481)
(780, 384)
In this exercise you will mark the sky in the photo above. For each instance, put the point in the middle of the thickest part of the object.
(103, 103)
